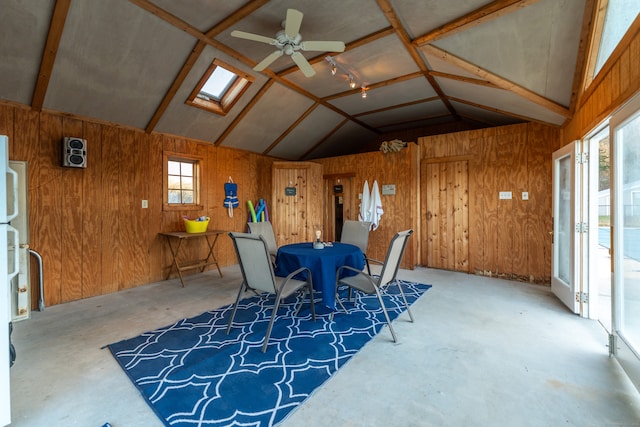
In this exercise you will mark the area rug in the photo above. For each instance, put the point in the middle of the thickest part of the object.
(193, 374)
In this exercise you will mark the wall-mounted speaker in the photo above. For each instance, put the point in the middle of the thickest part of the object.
(74, 152)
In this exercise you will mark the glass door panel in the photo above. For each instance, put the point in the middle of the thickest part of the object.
(625, 127)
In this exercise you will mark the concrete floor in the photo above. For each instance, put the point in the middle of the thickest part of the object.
(482, 352)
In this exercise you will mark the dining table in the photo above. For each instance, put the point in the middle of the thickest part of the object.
(323, 264)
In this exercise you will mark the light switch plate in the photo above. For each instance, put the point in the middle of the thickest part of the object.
(145, 204)
(505, 195)
(525, 195)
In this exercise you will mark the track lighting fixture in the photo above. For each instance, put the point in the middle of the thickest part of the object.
(335, 67)
(352, 83)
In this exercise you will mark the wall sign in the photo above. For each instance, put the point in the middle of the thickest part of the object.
(290, 191)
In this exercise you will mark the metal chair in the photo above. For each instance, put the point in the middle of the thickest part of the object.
(357, 233)
(265, 229)
(376, 284)
(258, 275)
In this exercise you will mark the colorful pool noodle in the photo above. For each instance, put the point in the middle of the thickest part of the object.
(252, 212)
(259, 210)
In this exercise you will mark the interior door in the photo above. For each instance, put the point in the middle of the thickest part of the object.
(564, 267)
(625, 146)
(445, 186)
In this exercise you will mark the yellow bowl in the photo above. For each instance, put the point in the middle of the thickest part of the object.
(196, 226)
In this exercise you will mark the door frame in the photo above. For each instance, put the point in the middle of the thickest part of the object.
(566, 292)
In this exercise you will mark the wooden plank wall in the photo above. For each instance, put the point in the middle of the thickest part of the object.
(400, 210)
(617, 81)
(88, 224)
(507, 238)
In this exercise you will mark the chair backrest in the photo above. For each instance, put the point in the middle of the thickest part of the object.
(356, 233)
(265, 229)
(394, 257)
(255, 262)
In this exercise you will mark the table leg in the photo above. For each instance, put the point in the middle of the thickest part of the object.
(212, 254)
(174, 253)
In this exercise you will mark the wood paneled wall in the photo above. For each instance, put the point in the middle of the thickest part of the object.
(400, 210)
(507, 238)
(617, 81)
(88, 224)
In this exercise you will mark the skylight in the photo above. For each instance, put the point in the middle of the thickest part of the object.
(218, 83)
(219, 88)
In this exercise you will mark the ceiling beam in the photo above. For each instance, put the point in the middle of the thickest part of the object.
(500, 82)
(392, 17)
(585, 54)
(479, 16)
(464, 79)
(58, 19)
(175, 85)
(290, 128)
(497, 110)
(393, 107)
(323, 139)
(244, 112)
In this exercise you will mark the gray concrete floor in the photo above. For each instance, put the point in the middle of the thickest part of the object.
(482, 352)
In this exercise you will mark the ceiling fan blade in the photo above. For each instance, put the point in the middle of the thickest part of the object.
(323, 46)
(303, 64)
(292, 23)
(254, 37)
(268, 60)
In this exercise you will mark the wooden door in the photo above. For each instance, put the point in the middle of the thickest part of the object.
(445, 209)
(298, 209)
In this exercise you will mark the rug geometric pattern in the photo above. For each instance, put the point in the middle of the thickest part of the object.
(193, 374)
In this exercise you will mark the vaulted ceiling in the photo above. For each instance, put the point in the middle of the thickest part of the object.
(430, 65)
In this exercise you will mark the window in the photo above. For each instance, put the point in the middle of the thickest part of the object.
(219, 88)
(612, 22)
(181, 181)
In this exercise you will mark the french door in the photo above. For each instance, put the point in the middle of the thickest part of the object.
(625, 201)
(565, 258)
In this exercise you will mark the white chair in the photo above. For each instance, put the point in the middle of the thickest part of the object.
(265, 229)
(258, 275)
(369, 284)
(357, 233)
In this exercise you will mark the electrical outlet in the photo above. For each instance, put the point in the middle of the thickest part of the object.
(525, 195)
(145, 204)
(505, 195)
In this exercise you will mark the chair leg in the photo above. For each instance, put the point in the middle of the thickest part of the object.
(273, 318)
(235, 308)
(386, 315)
(405, 301)
(312, 302)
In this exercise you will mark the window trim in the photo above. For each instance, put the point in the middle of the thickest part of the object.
(197, 181)
(229, 97)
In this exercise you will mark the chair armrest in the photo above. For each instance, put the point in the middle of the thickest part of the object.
(375, 260)
(355, 270)
(300, 270)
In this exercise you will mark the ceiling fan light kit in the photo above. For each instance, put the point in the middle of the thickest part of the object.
(288, 41)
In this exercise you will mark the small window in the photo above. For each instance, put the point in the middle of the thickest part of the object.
(181, 181)
(219, 88)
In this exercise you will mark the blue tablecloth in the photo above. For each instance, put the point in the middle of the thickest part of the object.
(323, 264)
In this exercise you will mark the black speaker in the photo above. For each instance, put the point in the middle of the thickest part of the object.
(74, 152)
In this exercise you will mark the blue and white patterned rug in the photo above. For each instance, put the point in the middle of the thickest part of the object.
(192, 374)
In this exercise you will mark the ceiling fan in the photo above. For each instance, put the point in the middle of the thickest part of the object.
(289, 41)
